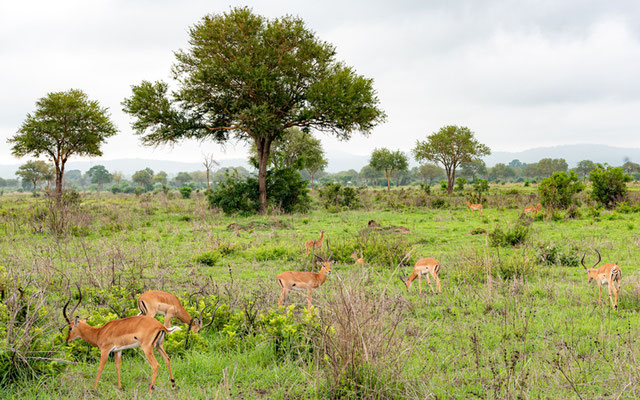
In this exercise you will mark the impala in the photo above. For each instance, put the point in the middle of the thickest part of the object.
(423, 266)
(304, 280)
(120, 334)
(611, 274)
(358, 260)
(531, 209)
(314, 244)
(474, 207)
(157, 302)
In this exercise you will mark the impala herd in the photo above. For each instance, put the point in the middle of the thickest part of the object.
(146, 332)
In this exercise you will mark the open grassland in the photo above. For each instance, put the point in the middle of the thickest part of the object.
(512, 322)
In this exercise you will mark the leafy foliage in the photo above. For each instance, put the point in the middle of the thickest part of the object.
(557, 191)
(186, 192)
(336, 195)
(609, 185)
(389, 162)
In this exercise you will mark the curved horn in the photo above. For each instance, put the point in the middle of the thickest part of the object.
(599, 259)
(582, 261)
(400, 277)
(213, 316)
(79, 300)
(330, 252)
(313, 251)
(64, 309)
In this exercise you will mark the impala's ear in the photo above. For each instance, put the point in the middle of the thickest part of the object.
(76, 320)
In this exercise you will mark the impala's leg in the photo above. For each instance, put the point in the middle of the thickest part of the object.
(413, 276)
(617, 290)
(419, 283)
(118, 358)
(609, 284)
(165, 357)
(308, 299)
(104, 356)
(148, 352)
(599, 293)
(167, 318)
(435, 276)
(429, 282)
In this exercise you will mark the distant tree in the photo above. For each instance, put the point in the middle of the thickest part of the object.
(117, 177)
(249, 78)
(64, 124)
(389, 162)
(34, 172)
(450, 146)
(209, 163)
(370, 174)
(547, 166)
(199, 177)
(609, 185)
(501, 171)
(143, 178)
(530, 170)
(516, 164)
(473, 169)
(99, 175)
(630, 167)
(160, 177)
(3, 183)
(182, 178)
(557, 191)
(584, 167)
(431, 173)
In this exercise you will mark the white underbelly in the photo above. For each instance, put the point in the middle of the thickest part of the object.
(130, 346)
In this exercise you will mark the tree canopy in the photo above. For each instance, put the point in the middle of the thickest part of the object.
(64, 124)
(249, 78)
(99, 175)
(35, 171)
(389, 162)
(451, 146)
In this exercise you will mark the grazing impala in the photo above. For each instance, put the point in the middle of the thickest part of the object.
(358, 260)
(475, 207)
(120, 334)
(310, 245)
(304, 280)
(611, 274)
(423, 266)
(532, 209)
(157, 302)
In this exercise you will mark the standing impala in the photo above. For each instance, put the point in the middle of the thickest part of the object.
(611, 274)
(532, 209)
(314, 244)
(157, 302)
(304, 280)
(423, 266)
(474, 207)
(120, 334)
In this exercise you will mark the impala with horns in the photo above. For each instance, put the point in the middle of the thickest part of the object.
(609, 274)
(474, 207)
(158, 302)
(424, 266)
(120, 334)
(305, 280)
(310, 245)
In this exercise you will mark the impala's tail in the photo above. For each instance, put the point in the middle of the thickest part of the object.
(142, 307)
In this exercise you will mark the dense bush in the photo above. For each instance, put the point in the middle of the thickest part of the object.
(336, 195)
(286, 190)
(186, 192)
(551, 254)
(512, 236)
(460, 182)
(557, 191)
(609, 185)
(382, 248)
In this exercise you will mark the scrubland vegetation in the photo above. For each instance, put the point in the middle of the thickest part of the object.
(516, 318)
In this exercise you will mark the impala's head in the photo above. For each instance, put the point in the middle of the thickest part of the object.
(354, 255)
(325, 264)
(592, 273)
(403, 279)
(73, 322)
(196, 324)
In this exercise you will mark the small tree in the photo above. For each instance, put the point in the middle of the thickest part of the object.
(584, 167)
(182, 178)
(431, 173)
(144, 178)
(117, 177)
(64, 124)
(450, 146)
(35, 172)
(160, 177)
(609, 185)
(547, 166)
(557, 190)
(99, 175)
(460, 182)
(473, 169)
(389, 162)
(209, 163)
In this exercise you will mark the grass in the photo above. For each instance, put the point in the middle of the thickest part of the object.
(508, 324)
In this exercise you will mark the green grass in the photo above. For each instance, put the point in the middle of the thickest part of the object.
(538, 336)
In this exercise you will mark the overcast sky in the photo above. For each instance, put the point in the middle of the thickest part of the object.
(519, 74)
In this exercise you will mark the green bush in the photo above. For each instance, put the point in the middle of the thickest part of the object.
(186, 192)
(439, 203)
(336, 195)
(512, 236)
(557, 191)
(209, 258)
(609, 185)
(460, 182)
(286, 190)
(551, 254)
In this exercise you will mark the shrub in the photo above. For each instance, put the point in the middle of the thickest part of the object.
(378, 247)
(609, 185)
(425, 188)
(557, 191)
(511, 237)
(551, 254)
(186, 192)
(460, 182)
(439, 203)
(481, 185)
(336, 195)
(285, 190)
(209, 258)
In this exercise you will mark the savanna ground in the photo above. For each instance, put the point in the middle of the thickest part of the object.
(512, 321)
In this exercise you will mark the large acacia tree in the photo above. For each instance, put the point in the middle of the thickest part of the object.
(451, 146)
(250, 78)
(64, 124)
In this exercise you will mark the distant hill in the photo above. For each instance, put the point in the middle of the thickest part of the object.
(341, 161)
(571, 153)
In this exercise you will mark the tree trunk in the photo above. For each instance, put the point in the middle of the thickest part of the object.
(59, 176)
(312, 175)
(451, 177)
(388, 181)
(263, 145)
(208, 179)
